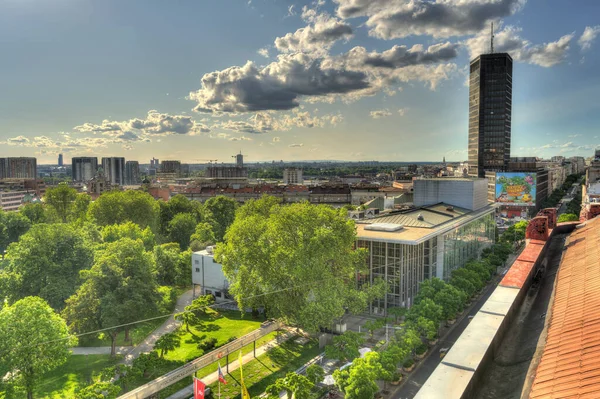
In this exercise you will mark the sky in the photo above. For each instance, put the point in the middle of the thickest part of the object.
(200, 80)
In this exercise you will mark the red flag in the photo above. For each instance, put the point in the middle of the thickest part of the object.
(199, 387)
(221, 376)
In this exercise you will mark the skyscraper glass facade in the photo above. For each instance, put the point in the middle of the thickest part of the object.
(490, 108)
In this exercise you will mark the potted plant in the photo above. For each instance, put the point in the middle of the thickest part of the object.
(421, 351)
(408, 365)
(397, 379)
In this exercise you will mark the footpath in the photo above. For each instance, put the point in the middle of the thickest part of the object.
(146, 346)
(234, 364)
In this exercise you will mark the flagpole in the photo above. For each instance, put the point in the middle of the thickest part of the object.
(219, 388)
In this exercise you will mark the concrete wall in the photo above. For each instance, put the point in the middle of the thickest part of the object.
(464, 193)
(208, 275)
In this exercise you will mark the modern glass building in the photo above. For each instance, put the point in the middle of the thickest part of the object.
(490, 108)
(408, 247)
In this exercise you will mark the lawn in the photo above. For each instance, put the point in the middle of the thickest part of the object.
(61, 383)
(263, 371)
(137, 334)
(222, 325)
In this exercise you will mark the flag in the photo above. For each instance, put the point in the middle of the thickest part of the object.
(221, 376)
(245, 394)
(199, 388)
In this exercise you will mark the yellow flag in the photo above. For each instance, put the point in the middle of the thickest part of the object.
(245, 394)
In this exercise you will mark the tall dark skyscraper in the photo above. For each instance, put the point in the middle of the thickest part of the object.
(490, 108)
(132, 172)
(84, 168)
(60, 160)
(114, 170)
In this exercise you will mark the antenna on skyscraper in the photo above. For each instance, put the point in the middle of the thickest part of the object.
(492, 39)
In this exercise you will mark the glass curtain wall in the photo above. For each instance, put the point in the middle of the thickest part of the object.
(465, 242)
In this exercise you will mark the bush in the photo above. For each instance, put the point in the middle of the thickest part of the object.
(409, 363)
(207, 344)
(421, 349)
(568, 217)
(231, 339)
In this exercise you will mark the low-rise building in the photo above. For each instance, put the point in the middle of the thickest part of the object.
(208, 274)
(12, 200)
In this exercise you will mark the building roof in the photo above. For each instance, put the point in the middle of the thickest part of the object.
(436, 219)
(570, 363)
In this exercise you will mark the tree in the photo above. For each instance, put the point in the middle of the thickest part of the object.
(464, 285)
(388, 362)
(409, 340)
(131, 230)
(45, 262)
(341, 378)
(202, 237)
(201, 304)
(373, 325)
(61, 199)
(470, 275)
(12, 226)
(180, 229)
(361, 380)
(35, 212)
(568, 217)
(117, 207)
(183, 275)
(187, 317)
(426, 328)
(480, 268)
(98, 390)
(120, 288)
(167, 343)
(222, 211)
(397, 312)
(426, 308)
(315, 373)
(297, 262)
(345, 346)
(166, 257)
(33, 340)
(295, 385)
(80, 208)
(176, 205)
(452, 300)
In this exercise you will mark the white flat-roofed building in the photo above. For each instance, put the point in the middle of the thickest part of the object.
(12, 200)
(208, 274)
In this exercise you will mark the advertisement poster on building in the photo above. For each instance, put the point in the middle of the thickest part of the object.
(516, 188)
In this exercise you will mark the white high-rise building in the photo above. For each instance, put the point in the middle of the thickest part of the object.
(293, 176)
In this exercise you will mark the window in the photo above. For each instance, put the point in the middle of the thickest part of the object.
(207, 292)
(196, 261)
(218, 294)
(197, 270)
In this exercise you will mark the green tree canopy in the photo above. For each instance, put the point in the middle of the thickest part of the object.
(45, 262)
(131, 230)
(361, 380)
(298, 262)
(452, 301)
(166, 257)
(222, 213)
(98, 390)
(35, 212)
(176, 205)
(118, 207)
(167, 343)
(120, 288)
(315, 373)
(426, 308)
(61, 199)
(203, 236)
(181, 228)
(12, 226)
(33, 341)
(345, 347)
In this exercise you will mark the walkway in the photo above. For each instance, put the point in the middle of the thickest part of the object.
(100, 350)
(168, 326)
(234, 364)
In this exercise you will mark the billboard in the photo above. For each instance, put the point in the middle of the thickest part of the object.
(516, 188)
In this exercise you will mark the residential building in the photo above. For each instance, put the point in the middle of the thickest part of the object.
(208, 274)
(132, 173)
(409, 246)
(83, 168)
(490, 108)
(98, 184)
(172, 167)
(12, 200)
(114, 170)
(292, 176)
(18, 167)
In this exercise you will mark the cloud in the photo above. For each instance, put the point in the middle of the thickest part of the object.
(336, 119)
(264, 52)
(318, 37)
(64, 144)
(264, 122)
(586, 40)
(155, 124)
(572, 136)
(240, 138)
(392, 19)
(276, 140)
(381, 113)
(509, 41)
(17, 140)
(402, 111)
(402, 56)
(291, 10)
(277, 86)
(296, 145)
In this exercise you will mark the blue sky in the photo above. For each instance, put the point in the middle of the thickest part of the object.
(293, 80)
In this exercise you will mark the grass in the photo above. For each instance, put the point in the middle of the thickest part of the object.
(263, 371)
(61, 382)
(137, 334)
(222, 325)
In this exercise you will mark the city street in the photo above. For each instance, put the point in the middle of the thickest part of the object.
(419, 376)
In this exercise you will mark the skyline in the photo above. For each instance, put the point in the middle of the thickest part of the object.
(339, 80)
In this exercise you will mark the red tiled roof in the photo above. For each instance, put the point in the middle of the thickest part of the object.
(570, 364)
